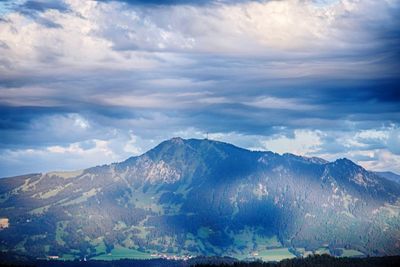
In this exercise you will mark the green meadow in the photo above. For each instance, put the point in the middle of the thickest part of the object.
(123, 253)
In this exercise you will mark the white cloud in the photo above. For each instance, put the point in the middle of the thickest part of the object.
(131, 146)
(32, 46)
(304, 142)
(280, 103)
(89, 32)
(372, 134)
(73, 156)
(383, 160)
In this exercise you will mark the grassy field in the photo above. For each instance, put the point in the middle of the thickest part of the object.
(123, 253)
(68, 257)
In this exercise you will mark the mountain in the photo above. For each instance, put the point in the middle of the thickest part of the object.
(202, 197)
(390, 176)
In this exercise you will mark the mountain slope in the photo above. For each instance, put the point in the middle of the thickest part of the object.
(390, 176)
(202, 197)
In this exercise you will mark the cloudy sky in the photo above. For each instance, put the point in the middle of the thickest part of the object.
(85, 82)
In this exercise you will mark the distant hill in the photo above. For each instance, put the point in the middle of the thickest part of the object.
(390, 176)
(186, 198)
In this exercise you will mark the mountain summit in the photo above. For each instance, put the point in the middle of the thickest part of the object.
(202, 197)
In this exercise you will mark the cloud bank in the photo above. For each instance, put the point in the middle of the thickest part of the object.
(92, 82)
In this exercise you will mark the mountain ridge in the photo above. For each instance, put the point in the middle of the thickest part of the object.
(389, 175)
(203, 197)
(179, 139)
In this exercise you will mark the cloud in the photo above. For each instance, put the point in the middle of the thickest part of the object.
(303, 142)
(393, 141)
(42, 6)
(176, 2)
(383, 160)
(279, 103)
(75, 155)
(311, 77)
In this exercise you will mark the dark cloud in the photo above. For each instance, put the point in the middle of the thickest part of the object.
(33, 9)
(41, 6)
(48, 23)
(128, 75)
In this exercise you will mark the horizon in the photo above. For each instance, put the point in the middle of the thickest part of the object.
(85, 83)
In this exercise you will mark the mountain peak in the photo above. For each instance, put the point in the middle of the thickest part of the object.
(196, 143)
(177, 140)
(212, 191)
(346, 161)
(314, 160)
